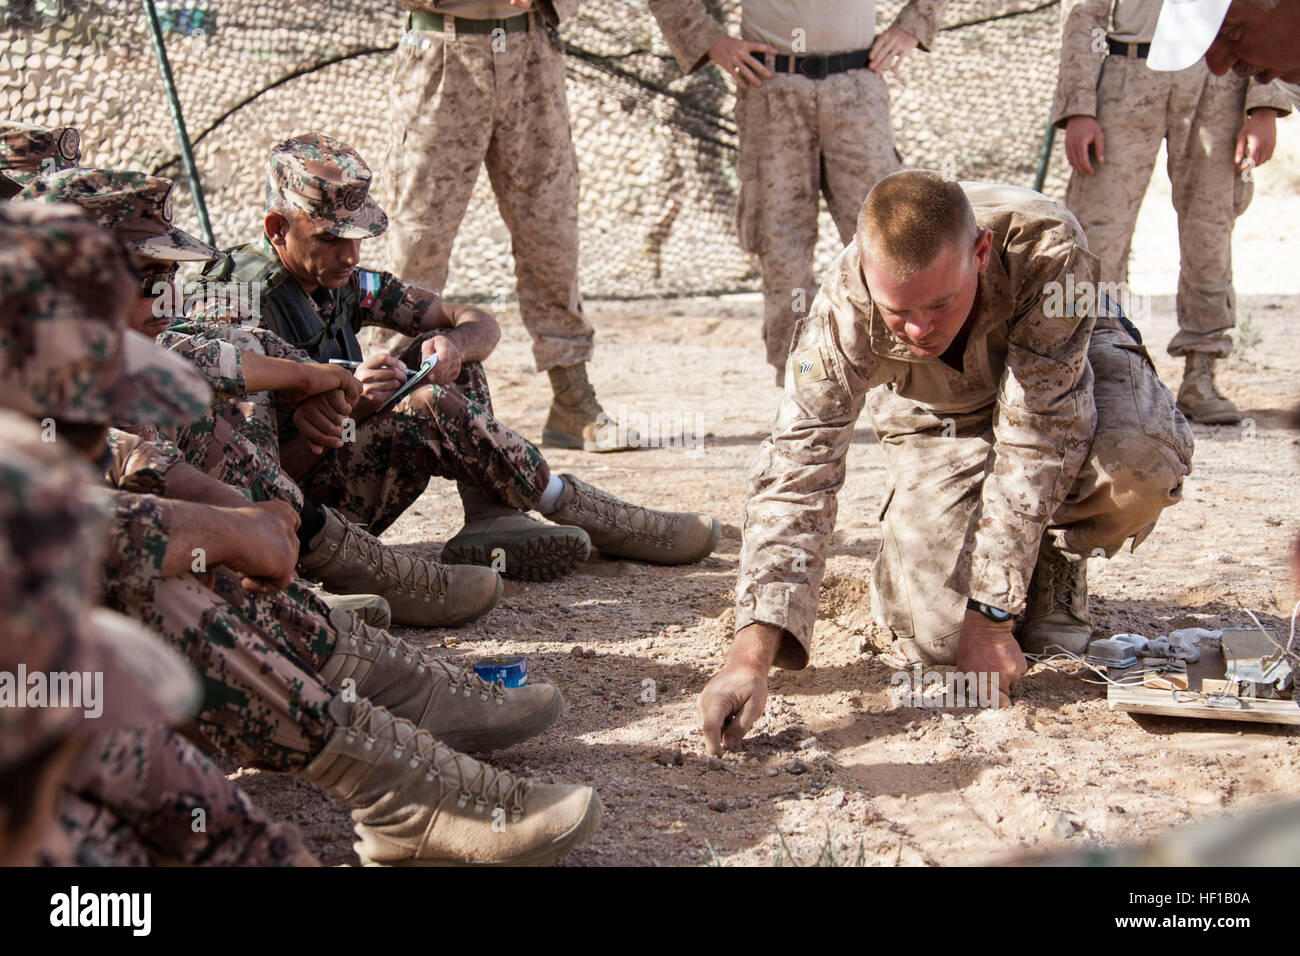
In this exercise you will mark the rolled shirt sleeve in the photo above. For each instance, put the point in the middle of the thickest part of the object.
(1270, 95)
(392, 303)
(922, 19)
(689, 30)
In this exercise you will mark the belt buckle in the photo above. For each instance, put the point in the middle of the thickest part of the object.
(814, 67)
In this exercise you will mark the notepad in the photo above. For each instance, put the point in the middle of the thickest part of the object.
(411, 383)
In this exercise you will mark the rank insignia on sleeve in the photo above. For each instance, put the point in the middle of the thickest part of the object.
(808, 367)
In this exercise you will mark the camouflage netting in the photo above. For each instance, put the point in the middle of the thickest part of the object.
(656, 149)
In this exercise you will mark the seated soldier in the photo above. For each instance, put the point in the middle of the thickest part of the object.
(287, 683)
(314, 296)
(125, 788)
(1024, 431)
(241, 448)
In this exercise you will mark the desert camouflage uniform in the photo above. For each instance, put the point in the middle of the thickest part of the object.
(256, 654)
(237, 442)
(444, 430)
(131, 794)
(1198, 115)
(1053, 423)
(799, 138)
(149, 796)
(460, 101)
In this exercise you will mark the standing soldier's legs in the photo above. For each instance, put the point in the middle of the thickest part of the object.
(442, 104)
(776, 214)
(857, 142)
(1206, 111)
(1132, 108)
(534, 173)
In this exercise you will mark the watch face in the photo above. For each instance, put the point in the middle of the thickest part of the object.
(992, 613)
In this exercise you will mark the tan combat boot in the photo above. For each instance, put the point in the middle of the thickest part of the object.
(629, 531)
(454, 704)
(509, 541)
(416, 802)
(1199, 398)
(1056, 615)
(576, 419)
(371, 608)
(345, 558)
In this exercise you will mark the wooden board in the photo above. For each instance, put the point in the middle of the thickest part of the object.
(1149, 700)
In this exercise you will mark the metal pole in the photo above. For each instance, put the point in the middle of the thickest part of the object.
(178, 121)
(1044, 157)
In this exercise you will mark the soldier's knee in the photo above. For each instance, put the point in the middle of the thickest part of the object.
(1146, 474)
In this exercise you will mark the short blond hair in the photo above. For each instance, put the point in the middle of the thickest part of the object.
(910, 216)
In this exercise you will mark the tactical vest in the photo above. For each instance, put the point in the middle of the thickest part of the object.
(324, 333)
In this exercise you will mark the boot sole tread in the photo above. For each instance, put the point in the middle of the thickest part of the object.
(543, 558)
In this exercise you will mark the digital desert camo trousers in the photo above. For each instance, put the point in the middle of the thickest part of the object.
(800, 139)
(1198, 114)
(463, 101)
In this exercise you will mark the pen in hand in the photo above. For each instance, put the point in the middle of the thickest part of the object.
(348, 363)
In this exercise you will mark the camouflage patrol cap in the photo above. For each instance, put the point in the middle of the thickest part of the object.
(27, 150)
(136, 206)
(66, 286)
(329, 181)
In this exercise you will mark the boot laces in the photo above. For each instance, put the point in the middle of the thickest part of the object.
(1063, 581)
(580, 393)
(645, 523)
(1201, 375)
(420, 576)
(444, 766)
(459, 680)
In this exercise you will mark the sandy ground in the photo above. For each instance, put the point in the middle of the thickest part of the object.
(834, 763)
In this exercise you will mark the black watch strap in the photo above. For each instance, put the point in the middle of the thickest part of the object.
(992, 613)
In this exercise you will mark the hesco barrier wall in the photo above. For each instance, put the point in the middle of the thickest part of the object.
(656, 149)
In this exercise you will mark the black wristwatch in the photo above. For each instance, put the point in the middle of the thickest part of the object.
(997, 615)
